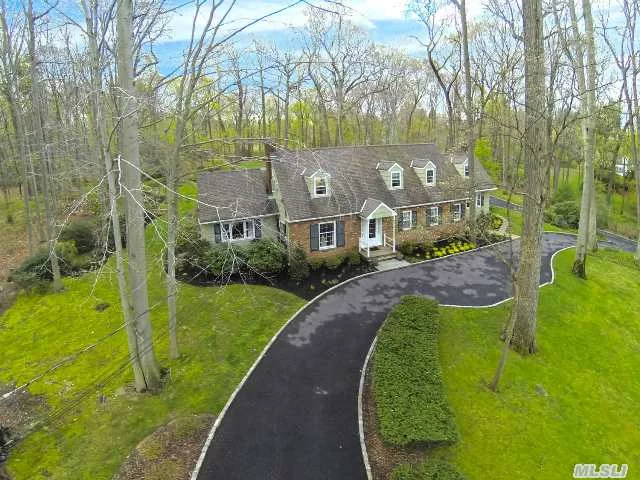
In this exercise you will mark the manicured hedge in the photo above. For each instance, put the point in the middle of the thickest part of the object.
(428, 470)
(409, 393)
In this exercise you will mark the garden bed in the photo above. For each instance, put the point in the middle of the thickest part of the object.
(321, 278)
(418, 252)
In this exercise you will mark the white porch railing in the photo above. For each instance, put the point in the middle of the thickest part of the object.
(388, 242)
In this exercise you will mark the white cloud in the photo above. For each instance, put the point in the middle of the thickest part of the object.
(364, 13)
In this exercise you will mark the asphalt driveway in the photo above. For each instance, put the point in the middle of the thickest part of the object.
(296, 417)
(611, 240)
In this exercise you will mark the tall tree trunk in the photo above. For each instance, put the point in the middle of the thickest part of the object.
(471, 139)
(525, 302)
(39, 126)
(12, 95)
(128, 139)
(589, 98)
(103, 153)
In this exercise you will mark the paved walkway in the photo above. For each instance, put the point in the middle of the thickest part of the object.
(296, 416)
(391, 264)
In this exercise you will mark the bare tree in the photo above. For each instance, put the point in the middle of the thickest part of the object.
(522, 324)
(46, 165)
(131, 182)
(443, 54)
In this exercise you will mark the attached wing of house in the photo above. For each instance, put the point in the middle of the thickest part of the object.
(332, 201)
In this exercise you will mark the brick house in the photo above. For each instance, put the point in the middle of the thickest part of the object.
(334, 201)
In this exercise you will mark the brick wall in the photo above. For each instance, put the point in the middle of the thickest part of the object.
(300, 233)
(423, 232)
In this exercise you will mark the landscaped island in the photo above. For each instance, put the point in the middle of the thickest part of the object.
(576, 401)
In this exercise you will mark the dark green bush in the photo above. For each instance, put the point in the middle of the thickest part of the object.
(427, 470)
(82, 233)
(407, 248)
(565, 193)
(354, 257)
(563, 214)
(298, 263)
(35, 271)
(483, 224)
(197, 260)
(266, 256)
(334, 262)
(409, 393)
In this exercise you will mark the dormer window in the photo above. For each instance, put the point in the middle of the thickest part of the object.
(396, 179)
(320, 186)
(466, 168)
(431, 176)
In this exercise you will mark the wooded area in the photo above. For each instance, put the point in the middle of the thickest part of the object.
(90, 113)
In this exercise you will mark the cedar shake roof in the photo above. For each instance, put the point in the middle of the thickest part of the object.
(236, 194)
(355, 178)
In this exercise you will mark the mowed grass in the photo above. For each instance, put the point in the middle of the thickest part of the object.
(515, 221)
(576, 401)
(92, 418)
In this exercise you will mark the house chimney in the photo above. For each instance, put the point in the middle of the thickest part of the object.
(270, 153)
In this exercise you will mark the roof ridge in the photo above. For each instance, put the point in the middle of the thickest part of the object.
(367, 146)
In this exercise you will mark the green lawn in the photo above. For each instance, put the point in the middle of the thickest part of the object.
(221, 332)
(515, 221)
(587, 364)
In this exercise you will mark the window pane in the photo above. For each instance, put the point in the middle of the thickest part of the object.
(372, 229)
(237, 230)
(429, 176)
(326, 235)
(395, 179)
(321, 186)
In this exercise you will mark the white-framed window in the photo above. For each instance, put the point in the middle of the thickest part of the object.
(321, 186)
(407, 220)
(457, 212)
(431, 176)
(327, 235)
(236, 231)
(434, 216)
(479, 199)
(396, 179)
(466, 169)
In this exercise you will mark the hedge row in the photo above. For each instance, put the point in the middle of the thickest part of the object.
(428, 470)
(409, 393)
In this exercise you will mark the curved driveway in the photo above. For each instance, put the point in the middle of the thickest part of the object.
(296, 416)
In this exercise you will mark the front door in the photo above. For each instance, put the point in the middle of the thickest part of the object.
(374, 232)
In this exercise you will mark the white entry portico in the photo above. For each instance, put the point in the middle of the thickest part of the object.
(372, 234)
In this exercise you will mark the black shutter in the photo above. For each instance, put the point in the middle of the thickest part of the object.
(257, 228)
(340, 234)
(462, 207)
(216, 232)
(400, 225)
(314, 232)
(414, 218)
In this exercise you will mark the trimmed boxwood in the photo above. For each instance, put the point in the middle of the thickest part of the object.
(428, 470)
(409, 394)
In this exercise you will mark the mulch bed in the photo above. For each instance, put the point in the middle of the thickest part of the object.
(170, 453)
(318, 281)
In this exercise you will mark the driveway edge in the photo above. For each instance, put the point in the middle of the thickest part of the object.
(220, 417)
